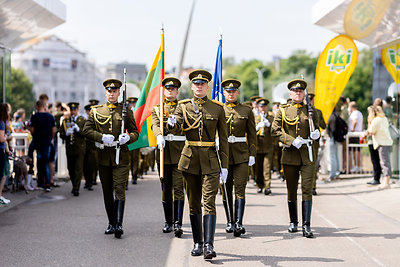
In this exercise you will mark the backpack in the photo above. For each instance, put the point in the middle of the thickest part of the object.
(341, 129)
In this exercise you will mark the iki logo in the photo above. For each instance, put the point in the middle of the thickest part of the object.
(394, 57)
(339, 58)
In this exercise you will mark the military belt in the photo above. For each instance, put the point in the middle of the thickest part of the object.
(171, 137)
(102, 145)
(199, 143)
(234, 139)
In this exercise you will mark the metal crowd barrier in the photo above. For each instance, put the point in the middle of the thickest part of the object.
(364, 164)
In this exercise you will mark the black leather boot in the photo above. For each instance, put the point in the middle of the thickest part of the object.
(229, 216)
(239, 208)
(195, 221)
(209, 231)
(306, 212)
(178, 214)
(119, 208)
(293, 216)
(111, 218)
(167, 205)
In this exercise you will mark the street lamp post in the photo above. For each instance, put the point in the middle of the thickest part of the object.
(260, 81)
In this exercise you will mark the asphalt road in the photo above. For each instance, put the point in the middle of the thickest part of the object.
(354, 225)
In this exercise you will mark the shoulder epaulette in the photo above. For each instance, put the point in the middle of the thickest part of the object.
(284, 105)
(217, 102)
(183, 101)
(96, 106)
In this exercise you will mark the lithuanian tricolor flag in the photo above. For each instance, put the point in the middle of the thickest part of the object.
(149, 96)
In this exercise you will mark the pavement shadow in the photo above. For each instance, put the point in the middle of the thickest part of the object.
(273, 261)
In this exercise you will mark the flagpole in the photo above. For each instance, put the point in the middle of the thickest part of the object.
(162, 108)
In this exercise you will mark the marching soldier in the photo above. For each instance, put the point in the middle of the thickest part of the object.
(322, 125)
(134, 153)
(291, 126)
(172, 181)
(242, 151)
(90, 159)
(264, 147)
(200, 120)
(277, 148)
(104, 127)
(71, 131)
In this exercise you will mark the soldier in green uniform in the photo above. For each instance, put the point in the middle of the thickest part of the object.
(322, 125)
(291, 126)
(242, 151)
(71, 131)
(172, 181)
(134, 153)
(264, 146)
(104, 127)
(90, 159)
(254, 107)
(93, 150)
(201, 120)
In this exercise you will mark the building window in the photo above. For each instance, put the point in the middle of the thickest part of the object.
(35, 63)
(72, 95)
(46, 62)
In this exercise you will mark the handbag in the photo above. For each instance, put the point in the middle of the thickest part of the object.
(394, 132)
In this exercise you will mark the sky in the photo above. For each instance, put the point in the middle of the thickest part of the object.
(112, 31)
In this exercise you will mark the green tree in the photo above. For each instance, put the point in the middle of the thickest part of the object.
(359, 87)
(21, 95)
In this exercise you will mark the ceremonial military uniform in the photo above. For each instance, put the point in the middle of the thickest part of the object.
(264, 149)
(291, 123)
(201, 119)
(172, 180)
(134, 153)
(253, 105)
(242, 145)
(91, 159)
(71, 131)
(105, 121)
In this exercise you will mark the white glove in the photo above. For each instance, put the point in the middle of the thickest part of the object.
(217, 143)
(107, 138)
(252, 160)
(69, 131)
(223, 175)
(267, 123)
(260, 125)
(171, 120)
(124, 138)
(315, 135)
(160, 141)
(75, 128)
(298, 142)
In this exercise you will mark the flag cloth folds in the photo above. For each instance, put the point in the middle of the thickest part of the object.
(335, 66)
(148, 98)
(217, 93)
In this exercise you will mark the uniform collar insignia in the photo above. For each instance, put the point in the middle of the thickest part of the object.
(200, 100)
(171, 103)
(231, 105)
(112, 105)
(297, 105)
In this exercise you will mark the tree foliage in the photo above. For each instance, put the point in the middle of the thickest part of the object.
(21, 95)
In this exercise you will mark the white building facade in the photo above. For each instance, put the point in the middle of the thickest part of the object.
(59, 70)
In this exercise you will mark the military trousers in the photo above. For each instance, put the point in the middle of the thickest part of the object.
(134, 162)
(171, 183)
(91, 163)
(75, 169)
(113, 181)
(292, 174)
(237, 179)
(263, 170)
(315, 163)
(198, 186)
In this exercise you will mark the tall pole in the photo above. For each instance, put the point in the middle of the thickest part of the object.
(178, 71)
(260, 81)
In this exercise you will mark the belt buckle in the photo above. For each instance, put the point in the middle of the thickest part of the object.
(169, 137)
(231, 139)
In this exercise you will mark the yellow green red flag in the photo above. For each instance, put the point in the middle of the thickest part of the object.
(148, 98)
(335, 66)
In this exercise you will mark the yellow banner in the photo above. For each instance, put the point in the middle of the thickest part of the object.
(335, 66)
(391, 59)
(363, 16)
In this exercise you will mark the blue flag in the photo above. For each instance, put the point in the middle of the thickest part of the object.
(217, 88)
